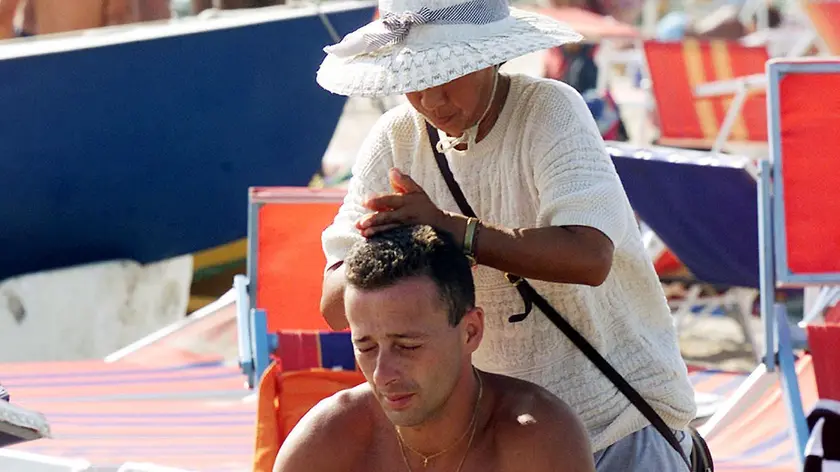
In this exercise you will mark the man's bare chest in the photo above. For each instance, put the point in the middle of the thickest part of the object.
(387, 457)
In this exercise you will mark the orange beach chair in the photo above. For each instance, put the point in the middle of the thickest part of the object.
(687, 121)
(298, 361)
(825, 16)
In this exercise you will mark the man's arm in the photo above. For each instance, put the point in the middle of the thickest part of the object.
(370, 177)
(311, 445)
(332, 297)
(546, 436)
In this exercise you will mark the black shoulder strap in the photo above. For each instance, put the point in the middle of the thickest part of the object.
(531, 296)
(467, 210)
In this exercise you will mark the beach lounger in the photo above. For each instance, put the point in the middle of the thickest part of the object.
(799, 228)
(685, 120)
(206, 335)
(751, 430)
(282, 289)
(287, 351)
(712, 388)
(11, 459)
(703, 207)
(819, 33)
(825, 18)
(191, 416)
(799, 233)
(781, 229)
(666, 264)
(686, 295)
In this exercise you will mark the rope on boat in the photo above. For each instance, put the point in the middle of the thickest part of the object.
(377, 101)
(327, 23)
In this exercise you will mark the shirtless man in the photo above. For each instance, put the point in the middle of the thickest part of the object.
(410, 305)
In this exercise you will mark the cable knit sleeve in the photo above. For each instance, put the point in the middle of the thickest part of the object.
(370, 177)
(576, 180)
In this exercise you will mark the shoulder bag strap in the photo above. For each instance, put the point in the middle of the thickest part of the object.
(467, 210)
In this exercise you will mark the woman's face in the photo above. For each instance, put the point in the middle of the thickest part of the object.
(457, 105)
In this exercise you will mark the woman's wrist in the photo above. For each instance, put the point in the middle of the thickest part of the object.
(454, 224)
(463, 231)
(470, 239)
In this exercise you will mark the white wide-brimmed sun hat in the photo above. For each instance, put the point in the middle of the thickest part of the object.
(419, 44)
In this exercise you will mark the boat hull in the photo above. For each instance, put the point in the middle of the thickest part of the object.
(143, 148)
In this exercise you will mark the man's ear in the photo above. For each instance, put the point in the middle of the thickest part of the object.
(473, 323)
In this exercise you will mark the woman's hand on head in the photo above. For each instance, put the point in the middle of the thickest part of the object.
(408, 205)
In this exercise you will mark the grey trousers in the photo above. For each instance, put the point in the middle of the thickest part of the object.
(644, 451)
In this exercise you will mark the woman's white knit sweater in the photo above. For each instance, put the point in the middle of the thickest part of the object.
(544, 164)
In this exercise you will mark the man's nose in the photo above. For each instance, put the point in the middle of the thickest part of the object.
(387, 369)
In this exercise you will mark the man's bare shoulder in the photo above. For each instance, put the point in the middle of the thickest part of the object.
(334, 433)
(535, 431)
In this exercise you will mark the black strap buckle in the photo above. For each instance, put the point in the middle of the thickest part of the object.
(521, 286)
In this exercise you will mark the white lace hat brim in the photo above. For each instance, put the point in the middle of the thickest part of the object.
(418, 65)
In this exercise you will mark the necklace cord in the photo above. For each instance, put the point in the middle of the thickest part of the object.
(471, 428)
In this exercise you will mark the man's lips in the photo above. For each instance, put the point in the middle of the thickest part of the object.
(397, 401)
